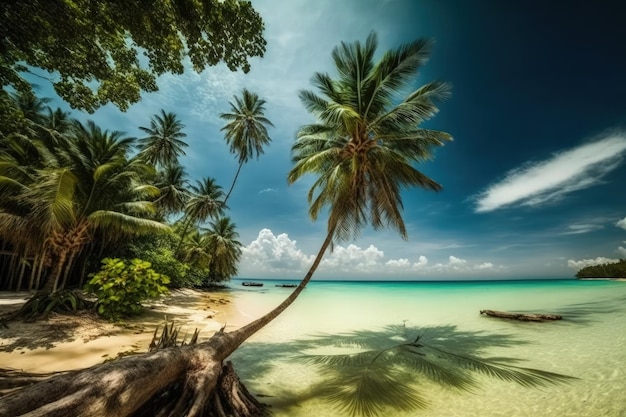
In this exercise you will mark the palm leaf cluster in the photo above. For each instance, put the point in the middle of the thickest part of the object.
(367, 139)
(246, 129)
(64, 184)
(74, 192)
(392, 368)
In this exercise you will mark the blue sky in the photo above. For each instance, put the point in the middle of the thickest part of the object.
(533, 182)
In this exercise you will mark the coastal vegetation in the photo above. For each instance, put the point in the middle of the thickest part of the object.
(80, 201)
(362, 151)
(75, 193)
(606, 270)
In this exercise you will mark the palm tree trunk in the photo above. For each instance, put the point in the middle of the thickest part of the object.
(182, 236)
(233, 184)
(20, 277)
(53, 280)
(240, 335)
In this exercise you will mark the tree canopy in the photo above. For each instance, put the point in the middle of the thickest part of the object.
(607, 270)
(101, 51)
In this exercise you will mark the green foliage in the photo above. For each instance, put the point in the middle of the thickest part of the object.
(102, 51)
(608, 270)
(121, 287)
(159, 251)
(43, 304)
(366, 142)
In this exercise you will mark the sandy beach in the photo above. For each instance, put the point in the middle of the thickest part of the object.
(65, 342)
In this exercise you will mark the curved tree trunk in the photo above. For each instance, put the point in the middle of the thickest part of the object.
(234, 181)
(127, 386)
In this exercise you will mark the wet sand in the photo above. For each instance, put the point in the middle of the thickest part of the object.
(65, 342)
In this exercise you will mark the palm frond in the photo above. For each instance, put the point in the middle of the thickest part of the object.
(118, 223)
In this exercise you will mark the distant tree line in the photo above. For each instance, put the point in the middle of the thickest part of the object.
(608, 270)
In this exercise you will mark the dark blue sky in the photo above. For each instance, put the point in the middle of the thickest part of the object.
(533, 183)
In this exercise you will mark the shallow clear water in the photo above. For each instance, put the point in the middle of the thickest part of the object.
(588, 344)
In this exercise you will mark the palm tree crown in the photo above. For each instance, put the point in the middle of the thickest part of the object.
(163, 144)
(246, 130)
(365, 143)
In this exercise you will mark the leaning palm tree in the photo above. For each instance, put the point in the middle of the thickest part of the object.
(224, 249)
(362, 151)
(164, 143)
(246, 130)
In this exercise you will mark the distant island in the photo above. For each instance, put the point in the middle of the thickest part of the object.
(608, 270)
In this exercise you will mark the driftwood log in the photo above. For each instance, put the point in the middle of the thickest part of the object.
(521, 316)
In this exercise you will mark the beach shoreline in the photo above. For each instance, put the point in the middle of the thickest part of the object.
(67, 342)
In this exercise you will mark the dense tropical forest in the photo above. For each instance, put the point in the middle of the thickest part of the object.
(76, 193)
(607, 270)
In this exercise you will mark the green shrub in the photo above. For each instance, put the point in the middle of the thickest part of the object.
(121, 287)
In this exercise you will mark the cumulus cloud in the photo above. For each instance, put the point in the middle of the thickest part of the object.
(572, 263)
(280, 256)
(622, 252)
(456, 261)
(486, 265)
(621, 223)
(403, 264)
(549, 180)
(272, 253)
(353, 258)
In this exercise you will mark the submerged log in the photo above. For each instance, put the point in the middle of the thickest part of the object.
(521, 316)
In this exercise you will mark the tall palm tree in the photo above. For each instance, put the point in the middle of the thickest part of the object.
(173, 193)
(206, 201)
(224, 249)
(164, 143)
(364, 146)
(246, 130)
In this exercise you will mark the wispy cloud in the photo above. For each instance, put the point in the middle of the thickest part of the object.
(549, 180)
(577, 229)
(621, 223)
(267, 190)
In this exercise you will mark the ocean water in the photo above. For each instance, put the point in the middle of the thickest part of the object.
(589, 344)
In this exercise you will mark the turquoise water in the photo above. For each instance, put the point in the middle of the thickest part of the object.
(588, 344)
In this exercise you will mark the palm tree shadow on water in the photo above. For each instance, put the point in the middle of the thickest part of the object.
(368, 372)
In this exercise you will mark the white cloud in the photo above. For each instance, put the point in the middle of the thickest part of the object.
(589, 262)
(549, 180)
(622, 252)
(621, 223)
(423, 261)
(403, 264)
(353, 258)
(456, 261)
(272, 253)
(279, 256)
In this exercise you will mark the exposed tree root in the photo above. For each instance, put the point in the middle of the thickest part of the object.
(183, 381)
